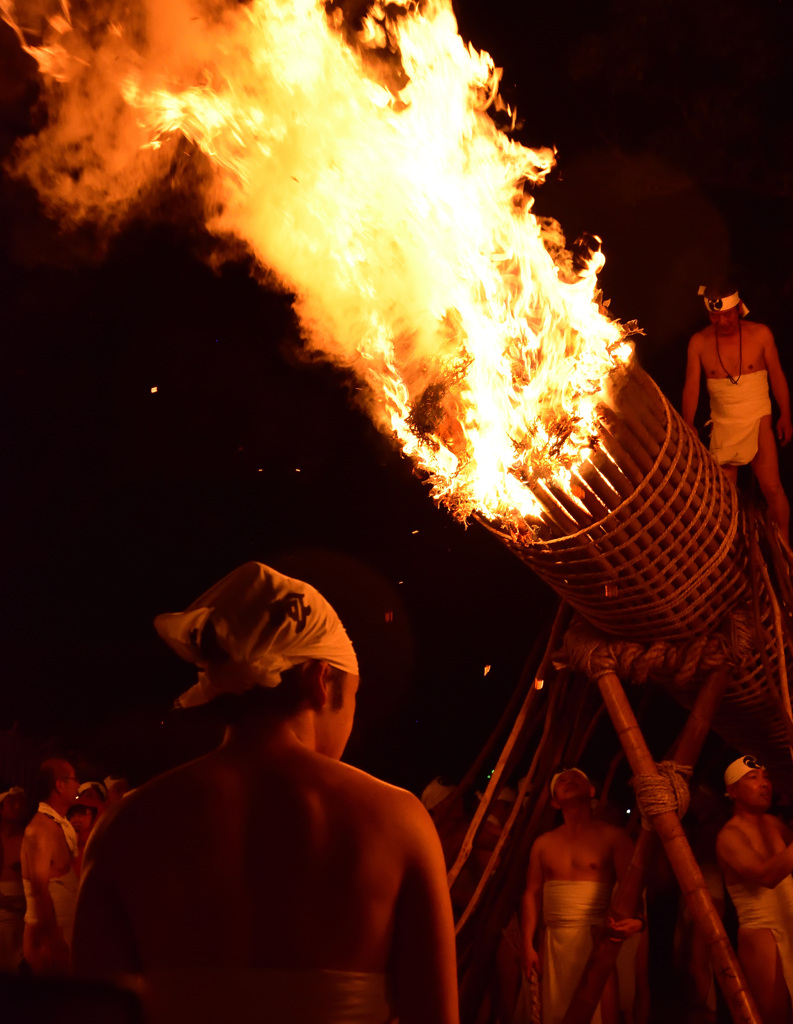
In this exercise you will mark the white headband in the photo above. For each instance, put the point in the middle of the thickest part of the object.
(11, 792)
(93, 785)
(725, 302)
(740, 767)
(265, 622)
(434, 792)
(564, 772)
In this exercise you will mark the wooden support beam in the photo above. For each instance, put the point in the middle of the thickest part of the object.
(666, 824)
(625, 899)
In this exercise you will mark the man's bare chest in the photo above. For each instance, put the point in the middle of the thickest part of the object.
(732, 357)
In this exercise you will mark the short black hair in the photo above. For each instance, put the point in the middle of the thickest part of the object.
(282, 700)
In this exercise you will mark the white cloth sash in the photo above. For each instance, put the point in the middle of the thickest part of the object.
(69, 833)
(569, 909)
(736, 411)
(759, 907)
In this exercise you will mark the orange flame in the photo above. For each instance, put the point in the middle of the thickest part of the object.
(364, 171)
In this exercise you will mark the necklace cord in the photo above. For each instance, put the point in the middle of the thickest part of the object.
(732, 380)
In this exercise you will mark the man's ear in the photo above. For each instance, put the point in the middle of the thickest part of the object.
(316, 683)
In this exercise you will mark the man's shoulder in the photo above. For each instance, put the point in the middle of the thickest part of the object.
(699, 339)
(41, 826)
(374, 793)
(755, 327)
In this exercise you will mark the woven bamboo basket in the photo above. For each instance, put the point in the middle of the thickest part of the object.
(653, 548)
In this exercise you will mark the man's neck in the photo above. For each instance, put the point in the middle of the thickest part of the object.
(58, 804)
(577, 814)
(725, 332)
(270, 734)
(749, 815)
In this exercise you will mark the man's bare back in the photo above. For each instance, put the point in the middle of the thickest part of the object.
(309, 860)
(268, 859)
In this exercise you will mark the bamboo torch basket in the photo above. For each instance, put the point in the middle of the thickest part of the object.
(653, 548)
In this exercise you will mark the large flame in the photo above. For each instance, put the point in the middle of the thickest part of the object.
(363, 170)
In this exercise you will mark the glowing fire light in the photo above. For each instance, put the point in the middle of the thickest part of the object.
(362, 170)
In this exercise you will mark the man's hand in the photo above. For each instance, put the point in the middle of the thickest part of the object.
(531, 961)
(619, 931)
(49, 953)
(784, 429)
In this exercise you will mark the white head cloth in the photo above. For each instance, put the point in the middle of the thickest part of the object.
(724, 302)
(739, 768)
(564, 771)
(265, 622)
(434, 792)
(84, 786)
(11, 792)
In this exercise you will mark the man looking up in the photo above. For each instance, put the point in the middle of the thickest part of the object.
(739, 359)
(50, 883)
(755, 852)
(572, 871)
(284, 881)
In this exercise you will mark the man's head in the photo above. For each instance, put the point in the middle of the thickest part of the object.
(12, 805)
(723, 304)
(570, 785)
(748, 784)
(271, 640)
(57, 784)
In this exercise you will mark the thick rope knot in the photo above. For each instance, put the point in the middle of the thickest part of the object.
(667, 791)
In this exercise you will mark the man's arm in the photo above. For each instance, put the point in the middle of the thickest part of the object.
(779, 386)
(38, 847)
(691, 386)
(734, 850)
(423, 955)
(622, 929)
(531, 909)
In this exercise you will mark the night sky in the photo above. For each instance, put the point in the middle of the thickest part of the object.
(675, 146)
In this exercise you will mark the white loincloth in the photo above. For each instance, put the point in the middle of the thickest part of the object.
(12, 925)
(736, 411)
(238, 995)
(758, 907)
(63, 891)
(569, 909)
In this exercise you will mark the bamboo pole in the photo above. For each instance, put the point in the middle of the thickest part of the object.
(508, 716)
(627, 894)
(692, 884)
(475, 956)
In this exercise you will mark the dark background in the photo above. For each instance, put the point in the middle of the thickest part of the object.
(673, 127)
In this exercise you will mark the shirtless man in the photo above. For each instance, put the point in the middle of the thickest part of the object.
(739, 359)
(755, 852)
(48, 848)
(12, 899)
(572, 871)
(281, 877)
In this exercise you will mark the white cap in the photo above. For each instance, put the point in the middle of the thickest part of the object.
(723, 302)
(563, 771)
(740, 767)
(265, 622)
